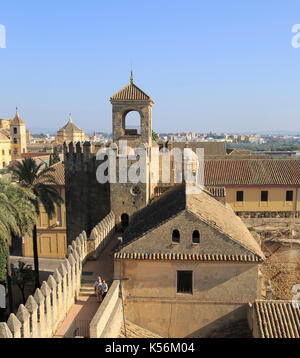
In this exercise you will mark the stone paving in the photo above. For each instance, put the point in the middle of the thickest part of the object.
(134, 331)
(86, 307)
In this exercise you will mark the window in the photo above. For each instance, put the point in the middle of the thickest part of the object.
(264, 195)
(3, 151)
(289, 195)
(176, 236)
(184, 281)
(196, 237)
(15, 140)
(15, 130)
(15, 151)
(239, 196)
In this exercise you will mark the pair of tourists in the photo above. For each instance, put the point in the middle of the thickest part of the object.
(101, 289)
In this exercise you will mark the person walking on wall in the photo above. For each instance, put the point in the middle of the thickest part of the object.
(98, 289)
(104, 288)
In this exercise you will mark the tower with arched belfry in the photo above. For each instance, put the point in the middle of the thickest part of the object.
(127, 198)
(128, 99)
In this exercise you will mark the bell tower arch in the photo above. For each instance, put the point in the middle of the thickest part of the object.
(128, 99)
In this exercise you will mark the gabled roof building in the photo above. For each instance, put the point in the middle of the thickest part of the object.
(191, 266)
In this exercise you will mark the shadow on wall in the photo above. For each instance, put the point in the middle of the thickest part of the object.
(231, 325)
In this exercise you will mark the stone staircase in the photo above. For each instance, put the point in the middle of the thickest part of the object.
(87, 288)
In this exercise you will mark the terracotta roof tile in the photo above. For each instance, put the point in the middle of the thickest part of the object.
(186, 257)
(202, 206)
(222, 172)
(131, 92)
(59, 173)
(70, 127)
(278, 319)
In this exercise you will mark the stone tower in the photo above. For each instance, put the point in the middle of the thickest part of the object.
(127, 198)
(18, 136)
(87, 200)
(128, 99)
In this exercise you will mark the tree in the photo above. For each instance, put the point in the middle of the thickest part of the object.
(155, 136)
(38, 179)
(51, 160)
(22, 276)
(55, 158)
(17, 217)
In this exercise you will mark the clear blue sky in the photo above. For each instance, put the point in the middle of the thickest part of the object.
(208, 65)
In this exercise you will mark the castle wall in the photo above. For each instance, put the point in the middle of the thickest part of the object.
(87, 201)
(46, 309)
(109, 317)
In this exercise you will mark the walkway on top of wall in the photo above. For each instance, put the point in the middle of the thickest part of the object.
(86, 307)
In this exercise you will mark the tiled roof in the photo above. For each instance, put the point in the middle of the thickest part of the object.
(59, 173)
(70, 127)
(204, 207)
(185, 257)
(222, 172)
(131, 92)
(17, 120)
(278, 319)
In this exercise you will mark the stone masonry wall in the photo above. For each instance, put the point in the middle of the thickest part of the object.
(83, 190)
(43, 312)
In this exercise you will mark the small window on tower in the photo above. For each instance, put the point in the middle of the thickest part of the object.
(15, 130)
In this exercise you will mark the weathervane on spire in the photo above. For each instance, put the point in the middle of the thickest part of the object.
(131, 77)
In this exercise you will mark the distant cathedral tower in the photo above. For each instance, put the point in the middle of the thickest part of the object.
(70, 133)
(18, 136)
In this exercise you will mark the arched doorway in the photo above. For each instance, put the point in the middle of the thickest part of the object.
(124, 221)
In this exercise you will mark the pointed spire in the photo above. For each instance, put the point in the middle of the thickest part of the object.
(131, 77)
(17, 113)
(70, 117)
(17, 120)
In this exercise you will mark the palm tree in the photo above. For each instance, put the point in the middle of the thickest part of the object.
(17, 217)
(38, 179)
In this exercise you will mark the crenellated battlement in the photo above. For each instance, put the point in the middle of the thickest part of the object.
(46, 309)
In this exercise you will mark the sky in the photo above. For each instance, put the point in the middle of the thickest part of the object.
(222, 66)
